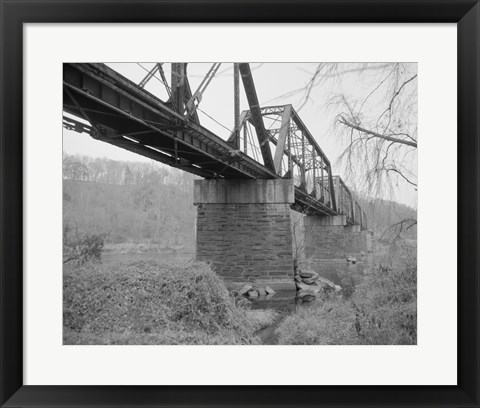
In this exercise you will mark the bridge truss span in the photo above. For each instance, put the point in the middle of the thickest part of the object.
(266, 142)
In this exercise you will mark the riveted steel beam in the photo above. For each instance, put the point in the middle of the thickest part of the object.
(257, 119)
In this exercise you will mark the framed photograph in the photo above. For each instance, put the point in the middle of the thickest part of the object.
(215, 203)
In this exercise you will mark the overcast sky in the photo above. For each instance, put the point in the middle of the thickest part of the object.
(275, 84)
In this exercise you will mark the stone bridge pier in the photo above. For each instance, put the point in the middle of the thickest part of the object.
(243, 228)
(329, 241)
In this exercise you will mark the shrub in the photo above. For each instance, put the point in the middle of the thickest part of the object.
(149, 303)
(386, 303)
(81, 248)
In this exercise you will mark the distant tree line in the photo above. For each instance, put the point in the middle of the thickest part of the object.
(390, 220)
(147, 202)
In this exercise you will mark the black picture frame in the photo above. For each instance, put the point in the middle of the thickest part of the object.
(465, 13)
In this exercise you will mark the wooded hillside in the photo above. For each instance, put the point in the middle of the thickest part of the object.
(146, 202)
(130, 202)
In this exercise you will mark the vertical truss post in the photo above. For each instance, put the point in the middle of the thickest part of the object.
(333, 199)
(350, 205)
(322, 184)
(236, 96)
(178, 98)
(178, 86)
(282, 137)
(245, 144)
(314, 171)
(289, 141)
(304, 182)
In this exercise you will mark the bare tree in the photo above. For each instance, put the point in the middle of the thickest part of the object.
(380, 129)
(377, 123)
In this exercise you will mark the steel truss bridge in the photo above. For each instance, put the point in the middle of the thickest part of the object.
(266, 142)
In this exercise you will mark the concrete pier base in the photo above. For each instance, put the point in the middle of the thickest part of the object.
(243, 228)
(358, 242)
(329, 241)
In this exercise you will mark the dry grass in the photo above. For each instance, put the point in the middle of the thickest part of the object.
(261, 318)
(323, 322)
(149, 303)
(386, 304)
(383, 309)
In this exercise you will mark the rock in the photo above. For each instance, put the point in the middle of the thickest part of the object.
(316, 288)
(325, 282)
(245, 289)
(307, 274)
(313, 288)
(261, 292)
(301, 286)
(303, 293)
(271, 295)
(338, 288)
(242, 302)
(269, 290)
(362, 253)
(351, 259)
(308, 298)
(306, 295)
(310, 281)
(298, 278)
(252, 294)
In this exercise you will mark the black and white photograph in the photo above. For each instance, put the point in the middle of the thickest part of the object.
(240, 203)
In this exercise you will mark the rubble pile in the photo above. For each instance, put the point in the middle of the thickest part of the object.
(310, 285)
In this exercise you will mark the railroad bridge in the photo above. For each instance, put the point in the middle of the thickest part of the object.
(269, 165)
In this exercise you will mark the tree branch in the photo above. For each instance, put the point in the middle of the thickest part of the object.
(378, 135)
(401, 174)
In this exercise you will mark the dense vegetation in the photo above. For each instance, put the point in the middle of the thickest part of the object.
(149, 303)
(381, 310)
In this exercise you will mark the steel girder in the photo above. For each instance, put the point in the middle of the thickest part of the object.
(254, 105)
(116, 106)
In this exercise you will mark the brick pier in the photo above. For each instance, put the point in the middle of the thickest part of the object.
(243, 228)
